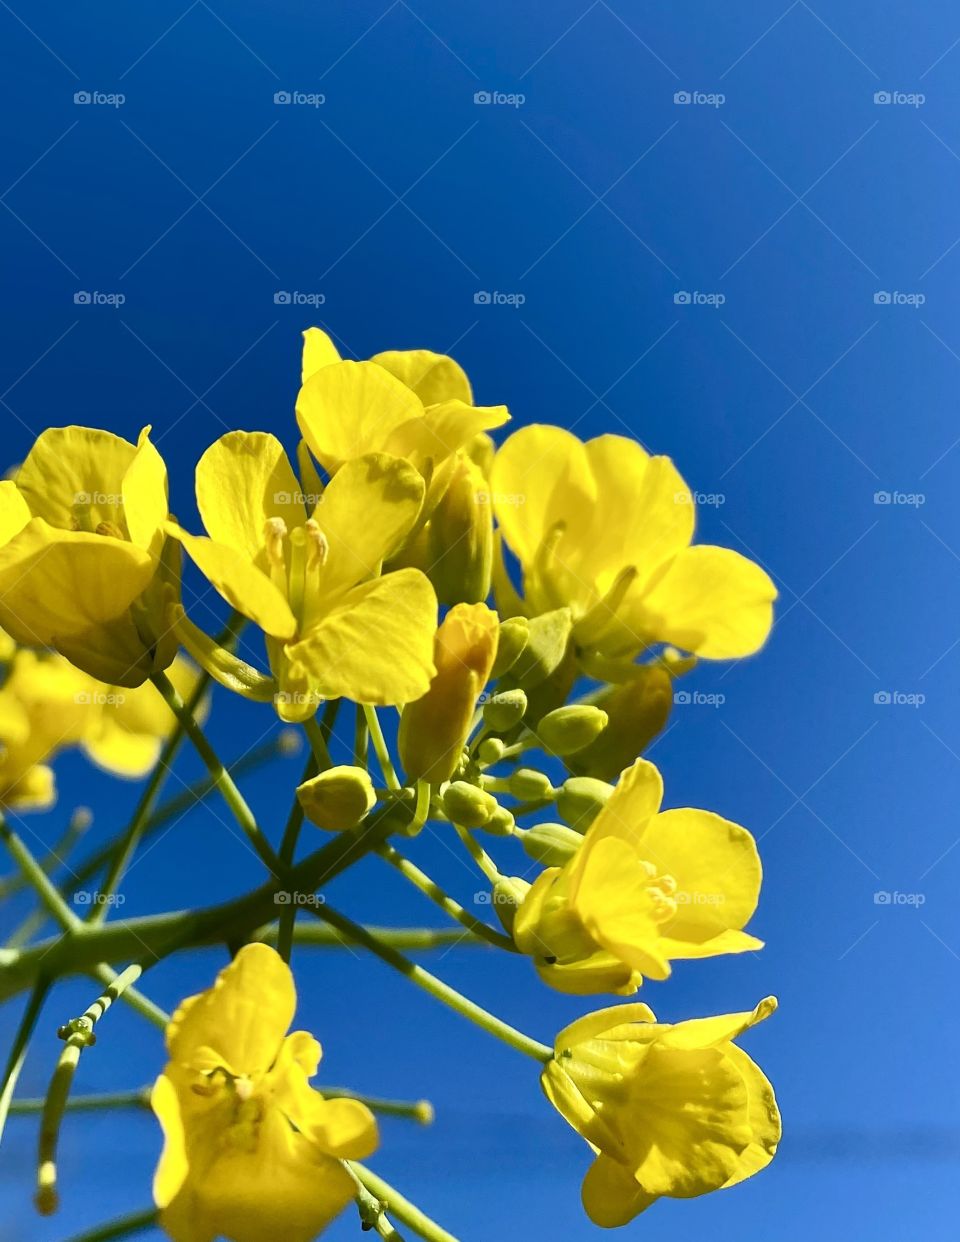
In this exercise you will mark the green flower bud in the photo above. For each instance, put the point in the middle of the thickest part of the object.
(638, 711)
(529, 785)
(505, 709)
(467, 805)
(551, 844)
(581, 799)
(337, 799)
(513, 638)
(508, 894)
(491, 750)
(569, 729)
(501, 823)
(460, 538)
(546, 646)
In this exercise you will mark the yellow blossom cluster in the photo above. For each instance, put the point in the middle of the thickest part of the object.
(524, 612)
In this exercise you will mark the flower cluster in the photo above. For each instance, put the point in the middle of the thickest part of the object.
(524, 612)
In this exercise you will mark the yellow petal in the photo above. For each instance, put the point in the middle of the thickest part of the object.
(240, 582)
(644, 513)
(347, 409)
(711, 601)
(541, 476)
(764, 1118)
(626, 1021)
(368, 508)
(610, 1194)
(442, 429)
(715, 864)
(14, 511)
(343, 1128)
(318, 351)
(626, 813)
(433, 377)
(117, 750)
(243, 480)
(56, 583)
(376, 645)
(710, 1032)
(172, 1169)
(243, 1018)
(145, 499)
(76, 470)
(729, 941)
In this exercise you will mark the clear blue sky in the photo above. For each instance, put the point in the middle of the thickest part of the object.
(598, 199)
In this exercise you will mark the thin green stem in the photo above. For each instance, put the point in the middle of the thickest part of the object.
(56, 856)
(27, 1106)
(122, 1227)
(37, 878)
(406, 1212)
(78, 1034)
(478, 854)
(435, 987)
(219, 774)
(361, 739)
(410, 871)
(420, 1111)
(372, 1213)
(18, 1051)
(133, 997)
(380, 747)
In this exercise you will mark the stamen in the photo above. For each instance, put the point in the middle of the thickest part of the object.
(109, 528)
(274, 533)
(318, 548)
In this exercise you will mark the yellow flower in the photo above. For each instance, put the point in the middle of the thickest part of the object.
(606, 529)
(81, 544)
(671, 1110)
(410, 403)
(646, 887)
(306, 569)
(433, 730)
(252, 1152)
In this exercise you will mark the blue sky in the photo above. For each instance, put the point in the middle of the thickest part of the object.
(761, 282)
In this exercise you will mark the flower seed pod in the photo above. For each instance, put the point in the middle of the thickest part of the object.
(581, 799)
(569, 729)
(551, 844)
(467, 805)
(337, 799)
(505, 709)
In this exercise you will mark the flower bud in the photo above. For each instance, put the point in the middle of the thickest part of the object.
(460, 538)
(433, 730)
(505, 709)
(581, 799)
(551, 844)
(529, 785)
(337, 799)
(569, 729)
(508, 894)
(491, 750)
(514, 633)
(638, 711)
(501, 823)
(545, 648)
(467, 805)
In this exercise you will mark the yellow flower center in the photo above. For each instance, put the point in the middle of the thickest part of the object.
(663, 890)
(295, 559)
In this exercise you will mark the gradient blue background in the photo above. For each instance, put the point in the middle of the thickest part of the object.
(799, 398)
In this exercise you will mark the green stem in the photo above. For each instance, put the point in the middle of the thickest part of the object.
(380, 748)
(361, 739)
(219, 774)
(78, 1035)
(371, 1211)
(410, 871)
(141, 1004)
(420, 1111)
(406, 1212)
(478, 854)
(37, 878)
(86, 1103)
(18, 1052)
(128, 843)
(122, 1227)
(54, 857)
(435, 987)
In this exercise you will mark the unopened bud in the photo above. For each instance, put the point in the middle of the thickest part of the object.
(581, 800)
(514, 633)
(460, 538)
(638, 710)
(529, 785)
(467, 805)
(337, 799)
(545, 648)
(501, 823)
(505, 709)
(551, 844)
(508, 894)
(569, 729)
(491, 750)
